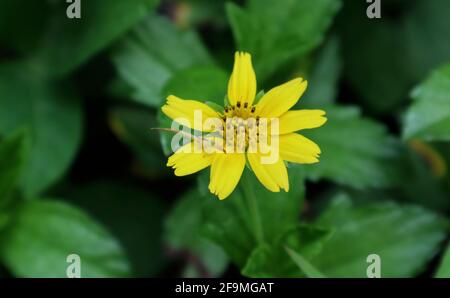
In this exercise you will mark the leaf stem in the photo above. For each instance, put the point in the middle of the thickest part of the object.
(253, 208)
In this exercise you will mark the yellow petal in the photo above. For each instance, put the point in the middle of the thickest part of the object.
(242, 83)
(185, 161)
(177, 108)
(273, 176)
(281, 98)
(226, 170)
(292, 121)
(298, 149)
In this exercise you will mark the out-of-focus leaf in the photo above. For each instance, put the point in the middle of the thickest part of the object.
(4, 218)
(133, 215)
(355, 150)
(384, 59)
(273, 260)
(183, 227)
(201, 83)
(165, 137)
(70, 42)
(276, 33)
(374, 65)
(444, 151)
(323, 80)
(429, 116)
(13, 154)
(44, 232)
(21, 26)
(418, 182)
(53, 116)
(191, 13)
(148, 57)
(239, 224)
(133, 126)
(405, 237)
(303, 264)
(444, 268)
(426, 28)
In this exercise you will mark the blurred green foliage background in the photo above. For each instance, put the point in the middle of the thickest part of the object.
(82, 172)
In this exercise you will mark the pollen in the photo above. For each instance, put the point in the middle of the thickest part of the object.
(240, 110)
(242, 127)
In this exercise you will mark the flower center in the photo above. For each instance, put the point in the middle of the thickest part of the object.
(240, 110)
(242, 128)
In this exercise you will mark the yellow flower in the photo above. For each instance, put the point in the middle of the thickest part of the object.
(227, 164)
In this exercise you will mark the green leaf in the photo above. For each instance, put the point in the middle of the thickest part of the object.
(200, 12)
(150, 55)
(417, 182)
(444, 267)
(324, 77)
(183, 227)
(134, 127)
(52, 114)
(272, 260)
(303, 264)
(251, 215)
(276, 36)
(132, 215)
(405, 237)
(375, 62)
(391, 56)
(13, 154)
(165, 137)
(207, 83)
(444, 152)
(44, 232)
(68, 43)
(4, 219)
(425, 30)
(355, 150)
(25, 32)
(428, 117)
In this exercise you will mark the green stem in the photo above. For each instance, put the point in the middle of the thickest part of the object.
(254, 210)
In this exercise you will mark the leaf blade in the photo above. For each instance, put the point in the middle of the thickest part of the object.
(50, 231)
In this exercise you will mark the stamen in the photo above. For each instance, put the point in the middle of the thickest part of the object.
(239, 121)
